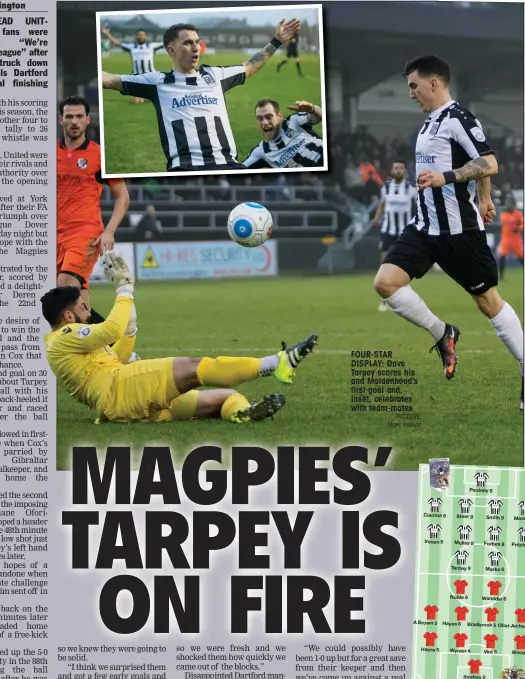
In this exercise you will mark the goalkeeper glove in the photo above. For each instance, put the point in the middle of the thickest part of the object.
(131, 328)
(117, 272)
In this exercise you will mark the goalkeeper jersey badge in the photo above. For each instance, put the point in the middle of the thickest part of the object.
(82, 163)
(83, 332)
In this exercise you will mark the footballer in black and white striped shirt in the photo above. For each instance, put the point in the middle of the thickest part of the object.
(396, 207)
(289, 142)
(192, 117)
(454, 162)
(395, 210)
(141, 51)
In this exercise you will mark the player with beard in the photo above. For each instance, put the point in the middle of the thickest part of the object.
(91, 362)
(81, 235)
(289, 142)
(142, 52)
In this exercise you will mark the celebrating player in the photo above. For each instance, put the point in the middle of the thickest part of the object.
(452, 154)
(157, 390)
(292, 52)
(81, 235)
(141, 51)
(287, 143)
(394, 210)
(511, 235)
(194, 128)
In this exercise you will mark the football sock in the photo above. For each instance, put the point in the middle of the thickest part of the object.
(226, 371)
(283, 62)
(268, 365)
(410, 306)
(231, 404)
(508, 329)
(299, 69)
(95, 317)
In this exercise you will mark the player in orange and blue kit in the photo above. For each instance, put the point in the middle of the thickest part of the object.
(156, 390)
(511, 235)
(81, 235)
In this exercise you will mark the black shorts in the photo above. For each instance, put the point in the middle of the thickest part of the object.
(386, 242)
(291, 51)
(465, 257)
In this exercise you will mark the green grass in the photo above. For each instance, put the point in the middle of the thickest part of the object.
(473, 419)
(132, 142)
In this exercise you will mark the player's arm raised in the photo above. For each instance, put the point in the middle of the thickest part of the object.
(284, 31)
(111, 38)
(87, 338)
(111, 81)
(119, 190)
(315, 113)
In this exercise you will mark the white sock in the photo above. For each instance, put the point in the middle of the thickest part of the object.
(509, 330)
(268, 365)
(409, 305)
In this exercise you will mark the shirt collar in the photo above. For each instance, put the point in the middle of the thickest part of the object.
(436, 113)
(84, 145)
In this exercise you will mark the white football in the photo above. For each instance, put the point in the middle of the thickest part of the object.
(250, 224)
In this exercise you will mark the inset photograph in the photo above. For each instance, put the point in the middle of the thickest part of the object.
(211, 90)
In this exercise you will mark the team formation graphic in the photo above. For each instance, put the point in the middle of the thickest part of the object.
(469, 618)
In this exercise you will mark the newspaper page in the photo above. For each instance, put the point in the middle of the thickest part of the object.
(230, 233)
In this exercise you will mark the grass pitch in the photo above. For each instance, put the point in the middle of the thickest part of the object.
(131, 137)
(473, 419)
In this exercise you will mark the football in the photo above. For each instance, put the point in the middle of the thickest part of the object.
(250, 224)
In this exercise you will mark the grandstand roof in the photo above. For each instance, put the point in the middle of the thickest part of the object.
(135, 23)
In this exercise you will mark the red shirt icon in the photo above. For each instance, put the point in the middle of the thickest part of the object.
(430, 638)
(520, 612)
(492, 614)
(491, 640)
(520, 642)
(461, 612)
(460, 639)
(460, 586)
(494, 587)
(431, 612)
(474, 666)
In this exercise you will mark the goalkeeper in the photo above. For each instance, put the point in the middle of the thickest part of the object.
(156, 390)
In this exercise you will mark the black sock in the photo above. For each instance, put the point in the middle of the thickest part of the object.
(95, 317)
(283, 62)
(299, 68)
